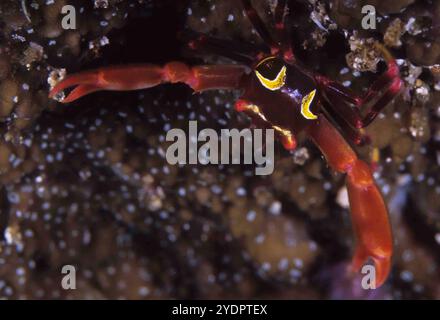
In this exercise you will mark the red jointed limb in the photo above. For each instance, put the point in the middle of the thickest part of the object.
(383, 81)
(351, 133)
(330, 86)
(218, 77)
(389, 94)
(370, 218)
(134, 77)
(381, 92)
(110, 78)
(368, 209)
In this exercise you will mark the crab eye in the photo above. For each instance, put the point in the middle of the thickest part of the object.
(271, 72)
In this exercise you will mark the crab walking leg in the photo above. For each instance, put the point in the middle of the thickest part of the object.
(368, 209)
(134, 77)
(378, 96)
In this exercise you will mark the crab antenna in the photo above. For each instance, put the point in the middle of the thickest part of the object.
(259, 25)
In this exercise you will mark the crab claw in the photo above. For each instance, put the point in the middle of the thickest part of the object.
(368, 210)
(110, 78)
(370, 221)
(143, 76)
(85, 83)
(382, 265)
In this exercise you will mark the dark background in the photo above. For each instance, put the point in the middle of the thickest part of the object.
(87, 184)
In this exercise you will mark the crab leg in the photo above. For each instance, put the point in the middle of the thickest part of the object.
(134, 77)
(368, 209)
(352, 134)
(381, 92)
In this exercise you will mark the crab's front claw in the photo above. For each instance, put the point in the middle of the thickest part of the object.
(78, 92)
(110, 78)
(84, 83)
(370, 222)
(143, 76)
(368, 210)
(382, 265)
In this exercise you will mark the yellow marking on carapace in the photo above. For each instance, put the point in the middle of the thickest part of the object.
(276, 83)
(305, 106)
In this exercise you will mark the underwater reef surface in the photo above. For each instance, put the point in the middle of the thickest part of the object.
(87, 184)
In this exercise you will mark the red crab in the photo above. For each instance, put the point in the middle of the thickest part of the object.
(278, 92)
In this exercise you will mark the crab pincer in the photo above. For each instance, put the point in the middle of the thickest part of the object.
(144, 76)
